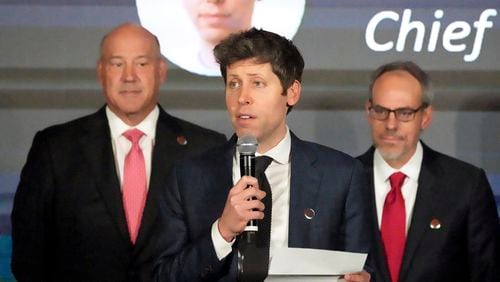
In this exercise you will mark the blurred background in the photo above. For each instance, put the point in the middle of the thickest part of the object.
(49, 49)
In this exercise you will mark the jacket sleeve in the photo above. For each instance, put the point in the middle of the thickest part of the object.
(483, 231)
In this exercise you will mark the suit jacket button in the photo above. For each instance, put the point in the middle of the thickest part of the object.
(309, 213)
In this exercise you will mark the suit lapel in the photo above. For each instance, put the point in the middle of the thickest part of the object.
(219, 176)
(98, 151)
(378, 248)
(304, 185)
(166, 150)
(422, 212)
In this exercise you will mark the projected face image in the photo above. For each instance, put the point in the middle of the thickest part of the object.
(188, 30)
(215, 20)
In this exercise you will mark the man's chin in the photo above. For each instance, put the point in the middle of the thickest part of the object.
(390, 155)
(214, 35)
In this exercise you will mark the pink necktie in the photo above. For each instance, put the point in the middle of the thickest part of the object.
(393, 227)
(134, 183)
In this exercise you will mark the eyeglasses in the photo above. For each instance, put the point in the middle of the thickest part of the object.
(402, 114)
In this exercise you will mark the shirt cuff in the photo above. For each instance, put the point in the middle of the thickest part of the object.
(221, 246)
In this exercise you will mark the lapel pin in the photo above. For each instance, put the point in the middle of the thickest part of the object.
(309, 213)
(182, 140)
(435, 224)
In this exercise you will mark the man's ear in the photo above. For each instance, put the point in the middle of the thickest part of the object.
(293, 93)
(427, 115)
(100, 70)
(368, 104)
(163, 70)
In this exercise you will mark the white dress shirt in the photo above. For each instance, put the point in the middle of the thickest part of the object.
(381, 173)
(121, 145)
(278, 175)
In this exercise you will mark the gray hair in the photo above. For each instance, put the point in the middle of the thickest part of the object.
(414, 70)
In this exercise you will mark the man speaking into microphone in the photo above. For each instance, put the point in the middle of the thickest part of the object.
(303, 194)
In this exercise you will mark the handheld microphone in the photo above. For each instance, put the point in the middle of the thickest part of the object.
(247, 146)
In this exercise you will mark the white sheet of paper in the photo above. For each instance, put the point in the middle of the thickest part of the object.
(295, 264)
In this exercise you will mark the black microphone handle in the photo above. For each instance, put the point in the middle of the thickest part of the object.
(247, 168)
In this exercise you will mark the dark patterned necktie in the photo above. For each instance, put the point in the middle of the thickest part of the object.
(255, 257)
(264, 234)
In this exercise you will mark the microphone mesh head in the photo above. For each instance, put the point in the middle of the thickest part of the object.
(247, 145)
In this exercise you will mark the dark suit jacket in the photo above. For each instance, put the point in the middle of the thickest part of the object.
(68, 222)
(459, 196)
(323, 179)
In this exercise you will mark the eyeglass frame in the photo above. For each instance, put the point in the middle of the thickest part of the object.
(397, 112)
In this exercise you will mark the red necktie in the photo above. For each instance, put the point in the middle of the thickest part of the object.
(134, 183)
(393, 227)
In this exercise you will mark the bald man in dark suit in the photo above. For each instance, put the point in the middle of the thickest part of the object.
(71, 221)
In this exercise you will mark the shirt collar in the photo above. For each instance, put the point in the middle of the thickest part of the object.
(411, 169)
(281, 152)
(118, 127)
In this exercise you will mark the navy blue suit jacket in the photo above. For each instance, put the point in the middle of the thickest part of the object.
(323, 179)
(464, 247)
(68, 222)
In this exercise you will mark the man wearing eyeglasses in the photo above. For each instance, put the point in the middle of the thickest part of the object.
(434, 217)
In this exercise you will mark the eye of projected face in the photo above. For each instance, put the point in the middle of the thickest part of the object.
(188, 30)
